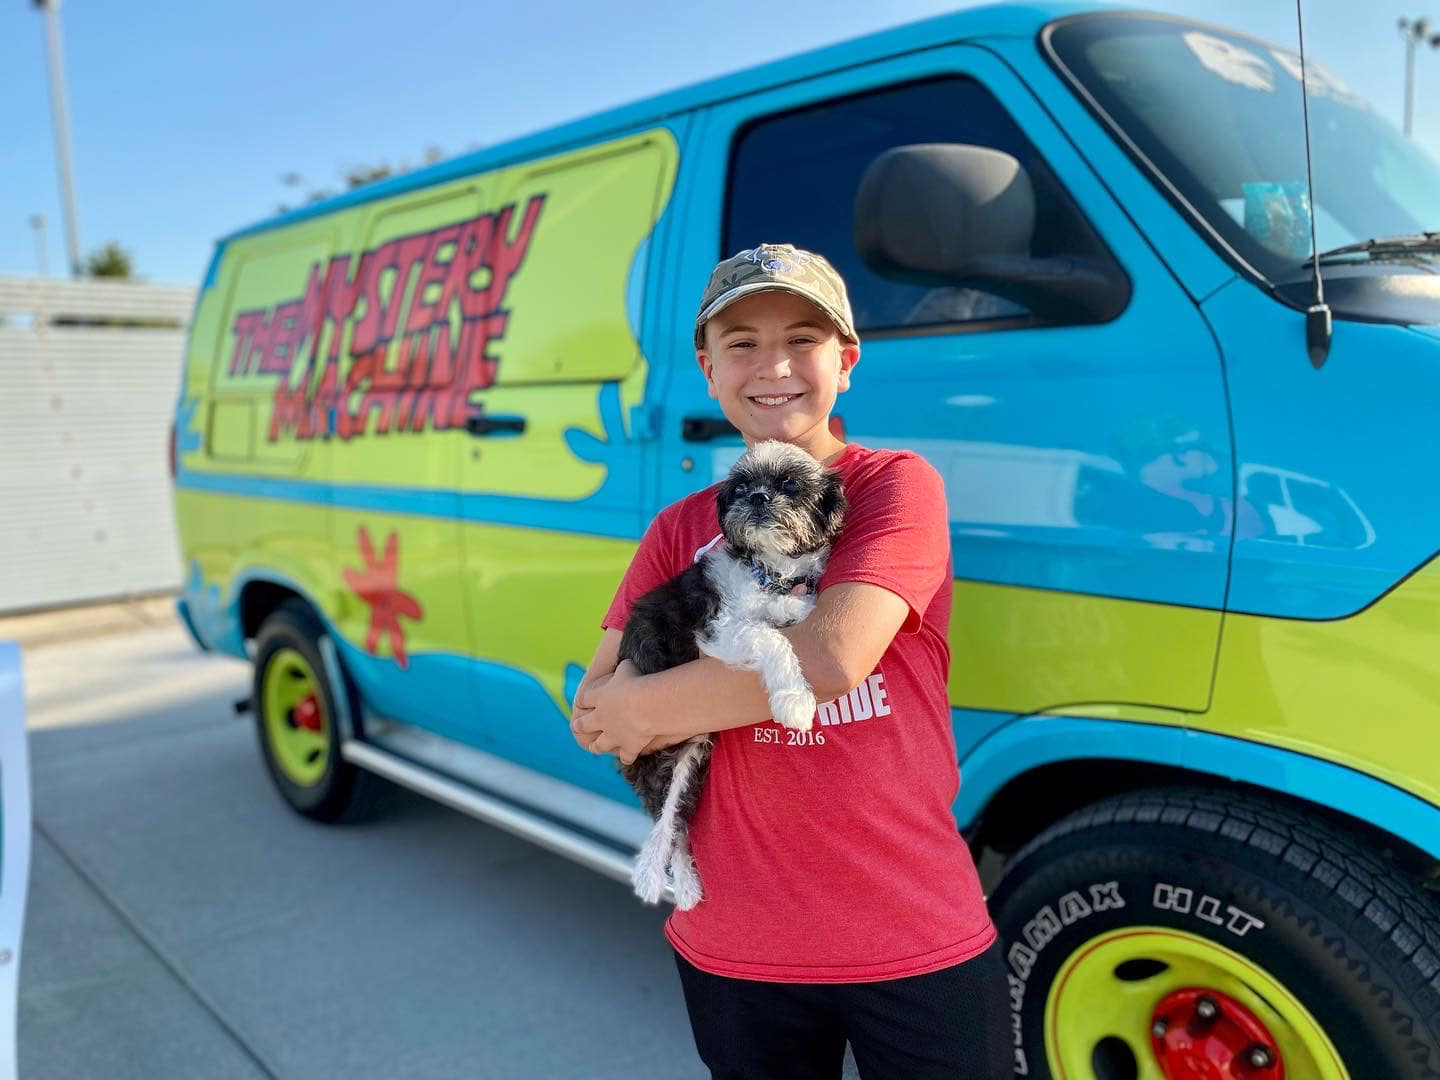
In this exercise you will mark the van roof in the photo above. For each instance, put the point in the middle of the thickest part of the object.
(991, 20)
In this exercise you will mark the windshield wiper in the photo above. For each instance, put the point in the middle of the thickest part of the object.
(1386, 245)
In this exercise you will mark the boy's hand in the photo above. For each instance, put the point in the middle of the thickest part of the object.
(605, 719)
(584, 737)
(584, 704)
(660, 742)
(585, 696)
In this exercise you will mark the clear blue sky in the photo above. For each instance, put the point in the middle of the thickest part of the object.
(184, 116)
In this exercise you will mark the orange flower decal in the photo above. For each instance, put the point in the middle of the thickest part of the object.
(376, 585)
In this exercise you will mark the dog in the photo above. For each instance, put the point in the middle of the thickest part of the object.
(780, 510)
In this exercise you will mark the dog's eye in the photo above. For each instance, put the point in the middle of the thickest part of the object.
(790, 487)
(741, 488)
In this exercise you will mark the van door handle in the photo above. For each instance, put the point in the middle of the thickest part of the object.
(480, 424)
(705, 428)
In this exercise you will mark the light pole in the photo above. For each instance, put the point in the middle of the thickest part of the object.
(1415, 32)
(37, 222)
(62, 128)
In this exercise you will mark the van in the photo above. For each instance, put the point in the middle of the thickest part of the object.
(1192, 499)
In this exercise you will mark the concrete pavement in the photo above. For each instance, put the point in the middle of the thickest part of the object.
(68, 624)
(182, 922)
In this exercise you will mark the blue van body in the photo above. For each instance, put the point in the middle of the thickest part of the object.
(1197, 340)
(1194, 326)
(1185, 552)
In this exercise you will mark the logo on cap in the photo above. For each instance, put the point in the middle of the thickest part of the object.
(767, 259)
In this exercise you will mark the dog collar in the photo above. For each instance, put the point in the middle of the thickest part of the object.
(768, 582)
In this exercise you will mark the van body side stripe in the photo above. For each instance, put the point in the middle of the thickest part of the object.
(574, 517)
(1034, 741)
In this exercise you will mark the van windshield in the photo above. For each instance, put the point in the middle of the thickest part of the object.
(1219, 116)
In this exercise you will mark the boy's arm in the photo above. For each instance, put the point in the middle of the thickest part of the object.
(606, 659)
(838, 645)
(648, 567)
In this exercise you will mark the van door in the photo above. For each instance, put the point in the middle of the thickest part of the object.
(396, 433)
(259, 507)
(1087, 466)
(558, 455)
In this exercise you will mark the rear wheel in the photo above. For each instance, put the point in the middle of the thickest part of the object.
(297, 722)
(1184, 933)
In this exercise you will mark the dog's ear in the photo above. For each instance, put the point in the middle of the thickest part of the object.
(831, 506)
(725, 495)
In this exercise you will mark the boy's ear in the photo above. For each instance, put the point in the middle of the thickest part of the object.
(849, 357)
(704, 361)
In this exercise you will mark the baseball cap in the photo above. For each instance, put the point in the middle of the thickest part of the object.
(776, 267)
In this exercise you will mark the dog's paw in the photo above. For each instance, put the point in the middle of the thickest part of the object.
(794, 709)
(793, 609)
(685, 881)
(647, 875)
(649, 883)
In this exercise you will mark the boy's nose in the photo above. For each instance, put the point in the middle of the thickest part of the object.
(777, 361)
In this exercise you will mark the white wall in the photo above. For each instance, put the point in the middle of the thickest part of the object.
(85, 507)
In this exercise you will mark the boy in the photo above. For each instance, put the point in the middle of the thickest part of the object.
(840, 901)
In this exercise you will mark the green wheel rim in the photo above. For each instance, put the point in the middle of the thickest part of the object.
(1089, 1002)
(291, 698)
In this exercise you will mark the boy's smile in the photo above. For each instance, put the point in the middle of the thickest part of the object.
(776, 363)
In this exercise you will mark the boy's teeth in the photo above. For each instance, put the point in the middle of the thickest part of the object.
(774, 400)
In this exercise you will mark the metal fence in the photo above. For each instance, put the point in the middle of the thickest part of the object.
(87, 390)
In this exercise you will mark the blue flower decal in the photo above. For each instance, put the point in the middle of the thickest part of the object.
(573, 674)
(214, 623)
(616, 450)
(187, 440)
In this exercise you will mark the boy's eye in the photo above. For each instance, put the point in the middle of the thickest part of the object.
(790, 487)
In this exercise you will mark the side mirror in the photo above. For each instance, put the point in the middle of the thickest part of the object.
(945, 214)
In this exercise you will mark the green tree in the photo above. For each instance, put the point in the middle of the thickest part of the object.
(110, 261)
(355, 176)
(114, 263)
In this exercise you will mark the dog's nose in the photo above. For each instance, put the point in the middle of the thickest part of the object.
(759, 499)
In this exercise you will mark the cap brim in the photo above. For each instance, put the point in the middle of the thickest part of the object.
(725, 299)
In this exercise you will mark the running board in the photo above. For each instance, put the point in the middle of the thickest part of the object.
(539, 830)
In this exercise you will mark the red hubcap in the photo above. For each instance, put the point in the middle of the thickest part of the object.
(307, 713)
(1206, 1035)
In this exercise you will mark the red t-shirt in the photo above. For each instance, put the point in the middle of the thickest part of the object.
(832, 855)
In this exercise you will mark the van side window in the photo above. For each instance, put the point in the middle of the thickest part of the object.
(255, 360)
(793, 178)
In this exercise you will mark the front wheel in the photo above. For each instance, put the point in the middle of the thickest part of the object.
(1188, 933)
(296, 722)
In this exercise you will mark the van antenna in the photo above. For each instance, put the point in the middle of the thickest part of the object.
(1317, 315)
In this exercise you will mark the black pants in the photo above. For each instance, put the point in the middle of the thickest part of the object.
(953, 1023)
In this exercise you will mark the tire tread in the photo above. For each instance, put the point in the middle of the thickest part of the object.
(1371, 892)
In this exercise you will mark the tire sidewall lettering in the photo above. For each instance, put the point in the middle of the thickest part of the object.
(1210, 909)
(1069, 909)
(1052, 902)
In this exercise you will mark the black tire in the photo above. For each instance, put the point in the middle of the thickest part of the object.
(343, 794)
(1352, 938)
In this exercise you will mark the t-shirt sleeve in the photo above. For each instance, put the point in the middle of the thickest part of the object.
(648, 568)
(896, 535)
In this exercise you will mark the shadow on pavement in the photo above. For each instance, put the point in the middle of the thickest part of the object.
(182, 922)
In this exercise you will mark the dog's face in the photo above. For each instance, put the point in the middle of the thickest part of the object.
(778, 501)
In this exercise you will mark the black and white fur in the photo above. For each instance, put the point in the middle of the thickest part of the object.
(779, 510)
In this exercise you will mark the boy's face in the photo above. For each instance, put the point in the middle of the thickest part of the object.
(775, 363)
